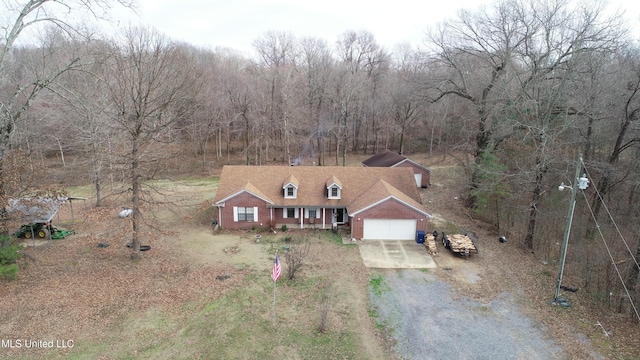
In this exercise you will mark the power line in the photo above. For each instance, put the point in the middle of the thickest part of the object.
(610, 216)
(611, 257)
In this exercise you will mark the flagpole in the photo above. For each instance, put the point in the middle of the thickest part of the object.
(275, 281)
(274, 303)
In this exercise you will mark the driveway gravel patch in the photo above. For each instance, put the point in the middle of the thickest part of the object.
(429, 321)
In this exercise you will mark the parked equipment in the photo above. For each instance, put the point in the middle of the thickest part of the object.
(36, 214)
(460, 244)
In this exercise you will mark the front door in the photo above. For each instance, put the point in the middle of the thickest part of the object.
(339, 216)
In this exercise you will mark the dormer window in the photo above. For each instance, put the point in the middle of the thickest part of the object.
(334, 187)
(290, 192)
(334, 192)
(290, 187)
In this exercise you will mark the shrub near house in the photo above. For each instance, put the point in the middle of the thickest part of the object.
(9, 254)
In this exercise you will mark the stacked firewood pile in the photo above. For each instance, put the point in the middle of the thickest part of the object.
(461, 244)
(430, 244)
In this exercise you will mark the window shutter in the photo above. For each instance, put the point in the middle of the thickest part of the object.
(255, 214)
(297, 213)
(235, 214)
(285, 212)
(306, 213)
(317, 213)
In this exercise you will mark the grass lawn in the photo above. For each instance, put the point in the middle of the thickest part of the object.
(195, 294)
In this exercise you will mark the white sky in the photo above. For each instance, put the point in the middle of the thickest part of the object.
(237, 23)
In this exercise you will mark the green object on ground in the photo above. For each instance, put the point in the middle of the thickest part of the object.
(61, 233)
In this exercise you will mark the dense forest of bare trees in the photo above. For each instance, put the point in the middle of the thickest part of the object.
(520, 88)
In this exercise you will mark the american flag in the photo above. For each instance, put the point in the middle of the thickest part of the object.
(275, 274)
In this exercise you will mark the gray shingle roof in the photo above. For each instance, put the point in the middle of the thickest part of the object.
(384, 158)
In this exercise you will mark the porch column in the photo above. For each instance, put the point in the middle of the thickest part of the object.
(323, 211)
(301, 218)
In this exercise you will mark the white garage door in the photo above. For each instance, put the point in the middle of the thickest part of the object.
(389, 229)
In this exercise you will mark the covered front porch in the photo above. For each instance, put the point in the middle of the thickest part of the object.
(309, 217)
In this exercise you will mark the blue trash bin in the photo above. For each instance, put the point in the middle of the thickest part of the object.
(420, 237)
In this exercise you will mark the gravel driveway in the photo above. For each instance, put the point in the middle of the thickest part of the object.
(429, 321)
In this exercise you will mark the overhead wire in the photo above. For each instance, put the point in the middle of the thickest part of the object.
(613, 262)
(635, 260)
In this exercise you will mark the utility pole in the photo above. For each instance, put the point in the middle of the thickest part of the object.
(581, 183)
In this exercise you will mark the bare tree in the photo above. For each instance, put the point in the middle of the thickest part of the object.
(296, 257)
(626, 138)
(316, 62)
(150, 80)
(82, 124)
(406, 101)
(277, 55)
(366, 64)
(558, 38)
(515, 61)
(19, 18)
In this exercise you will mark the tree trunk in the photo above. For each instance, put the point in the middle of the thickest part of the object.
(204, 153)
(483, 139)
(631, 114)
(228, 145)
(588, 140)
(533, 209)
(219, 145)
(320, 148)
(344, 150)
(337, 150)
(135, 197)
(4, 225)
(98, 186)
(64, 164)
(246, 139)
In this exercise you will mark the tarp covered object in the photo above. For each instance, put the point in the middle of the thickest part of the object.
(36, 210)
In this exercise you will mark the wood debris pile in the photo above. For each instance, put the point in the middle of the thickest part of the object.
(461, 244)
(430, 244)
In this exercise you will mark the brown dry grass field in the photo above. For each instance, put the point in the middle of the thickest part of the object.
(204, 294)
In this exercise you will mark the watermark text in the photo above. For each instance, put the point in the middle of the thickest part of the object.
(36, 344)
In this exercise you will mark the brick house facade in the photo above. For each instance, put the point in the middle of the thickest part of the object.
(322, 197)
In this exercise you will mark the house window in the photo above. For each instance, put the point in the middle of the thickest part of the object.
(291, 212)
(290, 192)
(313, 213)
(245, 214)
(334, 192)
